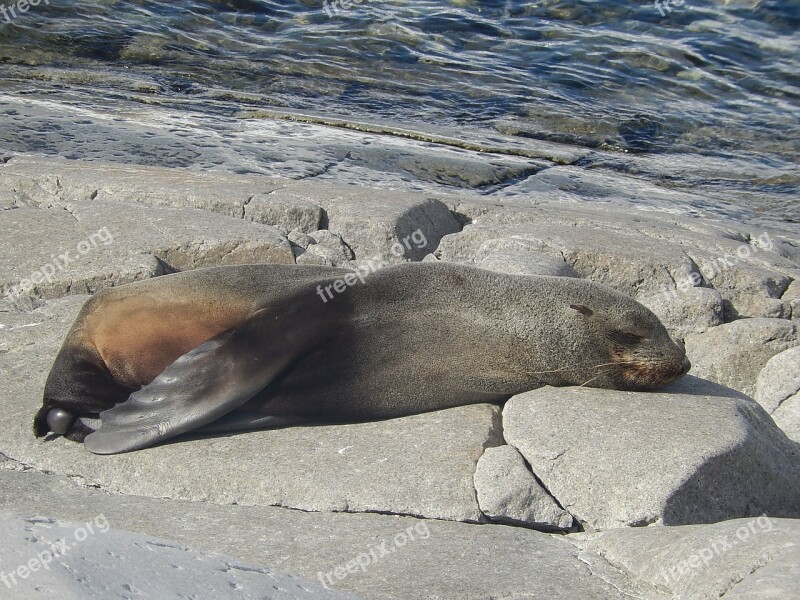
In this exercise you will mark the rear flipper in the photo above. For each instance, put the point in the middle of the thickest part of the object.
(210, 381)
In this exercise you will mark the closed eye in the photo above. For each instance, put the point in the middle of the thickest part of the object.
(626, 339)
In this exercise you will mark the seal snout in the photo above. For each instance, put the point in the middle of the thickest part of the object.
(51, 419)
(59, 420)
(686, 365)
(650, 367)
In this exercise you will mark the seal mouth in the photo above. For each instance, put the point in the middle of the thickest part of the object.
(647, 375)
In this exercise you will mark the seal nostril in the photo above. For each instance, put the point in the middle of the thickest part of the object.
(59, 421)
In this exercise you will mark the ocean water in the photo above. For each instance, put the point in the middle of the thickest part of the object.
(703, 96)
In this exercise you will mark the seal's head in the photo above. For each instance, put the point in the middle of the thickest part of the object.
(76, 392)
(631, 349)
(635, 351)
(610, 341)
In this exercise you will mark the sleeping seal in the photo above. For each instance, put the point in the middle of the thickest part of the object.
(243, 347)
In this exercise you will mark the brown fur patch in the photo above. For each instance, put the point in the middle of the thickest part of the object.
(138, 336)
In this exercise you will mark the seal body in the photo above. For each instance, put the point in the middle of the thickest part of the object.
(239, 347)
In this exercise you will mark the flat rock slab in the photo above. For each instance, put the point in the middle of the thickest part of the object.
(749, 559)
(709, 176)
(578, 184)
(265, 141)
(419, 465)
(40, 180)
(734, 354)
(376, 224)
(686, 455)
(413, 559)
(84, 246)
(45, 558)
(640, 253)
(446, 166)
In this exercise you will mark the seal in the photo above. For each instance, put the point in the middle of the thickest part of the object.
(254, 346)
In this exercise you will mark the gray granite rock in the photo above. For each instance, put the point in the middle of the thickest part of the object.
(419, 465)
(8, 200)
(376, 224)
(787, 417)
(778, 579)
(692, 453)
(792, 297)
(745, 272)
(443, 560)
(318, 256)
(733, 354)
(42, 557)
(84, 246)
(526, 264)
(291, 214)
(586, 255)
(752, 269)
(779, 379)
(750, 558)
(509, 493)
(521, 257)
(695, 452)
(688, 311)
(301, 239)
(749, 306)
(778, 390)
(328, 249)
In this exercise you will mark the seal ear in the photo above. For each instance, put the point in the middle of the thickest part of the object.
(584, 310)
(210, 381)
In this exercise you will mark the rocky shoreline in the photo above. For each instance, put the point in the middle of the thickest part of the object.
(690, 492)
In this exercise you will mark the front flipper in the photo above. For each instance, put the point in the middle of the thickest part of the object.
(208, 382)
